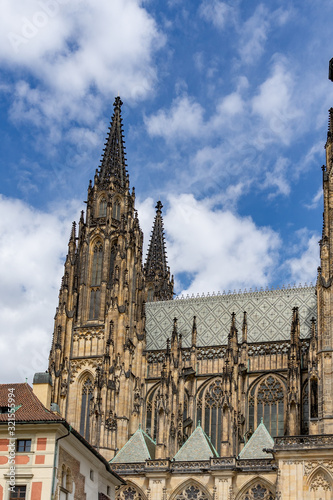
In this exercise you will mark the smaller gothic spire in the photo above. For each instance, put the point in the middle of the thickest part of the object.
(156, 268)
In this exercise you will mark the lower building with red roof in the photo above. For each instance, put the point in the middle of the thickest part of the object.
(41, 455)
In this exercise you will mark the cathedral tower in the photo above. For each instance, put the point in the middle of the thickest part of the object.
(321, 381)
(96, 355)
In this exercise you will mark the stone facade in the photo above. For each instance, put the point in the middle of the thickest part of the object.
(125, 354)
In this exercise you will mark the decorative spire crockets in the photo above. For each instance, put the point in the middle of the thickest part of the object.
(113, 163)
(157, 272)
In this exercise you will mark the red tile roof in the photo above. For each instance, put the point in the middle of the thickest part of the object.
(30, 408)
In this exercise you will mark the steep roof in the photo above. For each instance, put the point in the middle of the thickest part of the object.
(28, 407)
(197, 447)
(269, 315)
(139, 448)
(259, 440)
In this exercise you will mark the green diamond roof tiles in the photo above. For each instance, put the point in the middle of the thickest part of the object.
(269, 316)
(259, 440)
(139, 448)
(197, 447)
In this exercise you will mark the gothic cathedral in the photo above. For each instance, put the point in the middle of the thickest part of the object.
(226, 396)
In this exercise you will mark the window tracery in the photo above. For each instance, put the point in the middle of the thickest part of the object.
(320, 482)
(116, 210)
(192, 492)
(96, 278)
(209, 411)
(305, 409)
(97, 261)
(257, 492)
(102, 208)
(129, 493)
(267, 401)
(87, 394)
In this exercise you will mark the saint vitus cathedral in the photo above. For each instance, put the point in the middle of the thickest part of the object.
(224, 396)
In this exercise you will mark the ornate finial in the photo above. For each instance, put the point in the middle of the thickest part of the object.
(117, 103)
(159, 207)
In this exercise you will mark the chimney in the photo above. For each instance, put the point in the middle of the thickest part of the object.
(42, 387)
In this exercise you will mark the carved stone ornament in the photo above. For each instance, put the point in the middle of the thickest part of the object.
(192, 492)
(129, 493)
(320, 482)
(111, 421)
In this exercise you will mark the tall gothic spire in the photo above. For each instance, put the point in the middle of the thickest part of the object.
(113, 163)
(156, 268)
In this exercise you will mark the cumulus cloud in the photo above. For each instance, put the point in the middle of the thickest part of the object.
(183, 120)
(216, 248)
(274, 103)
(73, 63)
(303, 267)
(32, 248)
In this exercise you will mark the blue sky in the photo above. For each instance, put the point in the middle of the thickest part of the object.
(225, 118)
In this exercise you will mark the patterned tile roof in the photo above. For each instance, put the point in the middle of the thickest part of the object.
(139, 448)
(197, 447)
(29, 408)
(269, 315)
(259, 440)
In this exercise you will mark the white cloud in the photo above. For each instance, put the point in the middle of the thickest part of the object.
(303, 268)
(32, 248)
(275, 105)
(183, 120)
(57, 42)
(254, 35)
(218, 248)
(315, 200)
(216, 12)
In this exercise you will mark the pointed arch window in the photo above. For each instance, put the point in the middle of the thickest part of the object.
(129, 492)
(151, 419)
(112, 264)
(192, 491)
(209, 411)
(87, 394)
(97, 262)
(95, 302)
(257, 491)
(313, 398)
(267, 400)
(305, 409)
(102, 208)
(116, 210)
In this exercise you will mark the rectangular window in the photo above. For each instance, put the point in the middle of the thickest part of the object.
(19, 493)
(23, 445)
(91, 474)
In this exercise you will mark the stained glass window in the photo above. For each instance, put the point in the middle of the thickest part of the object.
(102, 208)
(87, 394)
(209, 411)
(267, 402)
(129, 493)
(116, 210)
(97, 261)
(257, 492)
(192, 492)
